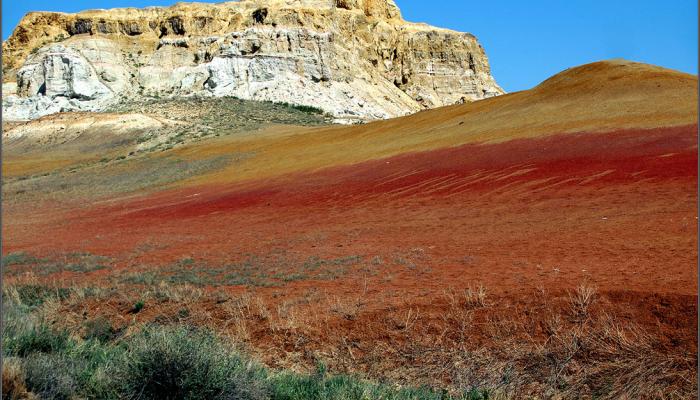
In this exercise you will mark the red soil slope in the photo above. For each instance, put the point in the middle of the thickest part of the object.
(521, 200)
(617, 209)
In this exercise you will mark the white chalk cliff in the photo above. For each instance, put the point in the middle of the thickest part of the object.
(356, 59)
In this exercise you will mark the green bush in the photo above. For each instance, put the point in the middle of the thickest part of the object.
(49, 376)
(38, 338)
(179, 363)
(138, 306)
(83, 370)
(302, 108)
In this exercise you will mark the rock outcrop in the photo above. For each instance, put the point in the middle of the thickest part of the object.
(356, 59)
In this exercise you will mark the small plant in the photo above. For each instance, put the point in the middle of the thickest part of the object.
(140, 278)
(186, 261)
(138, 306)
(580, 301)
(475, 298)
(348, 309)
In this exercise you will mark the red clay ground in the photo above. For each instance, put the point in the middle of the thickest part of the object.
(617, 209)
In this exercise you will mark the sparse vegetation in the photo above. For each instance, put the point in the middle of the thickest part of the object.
(475, 297)
(253, 271)
(16, 264)
(138, 306)
(580, 300)
(216, 117)
(302, 108)
(18, 258)
(168, 331)
(162, 362)
(34, 295)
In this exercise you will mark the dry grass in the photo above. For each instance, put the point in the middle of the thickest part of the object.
(580, 300)
(346, 308)
(556, 347)
(475, 297)
(623, 361)
(13, 378)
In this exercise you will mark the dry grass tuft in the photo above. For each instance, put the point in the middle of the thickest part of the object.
(626, 362)
(475, 298)
(346, 308)
(13, 378)
(580, 300)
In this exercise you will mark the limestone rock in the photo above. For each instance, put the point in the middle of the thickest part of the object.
(356, 59)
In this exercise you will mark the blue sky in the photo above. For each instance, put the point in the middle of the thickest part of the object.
(526, 41)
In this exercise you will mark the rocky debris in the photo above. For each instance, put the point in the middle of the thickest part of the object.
(356, 59)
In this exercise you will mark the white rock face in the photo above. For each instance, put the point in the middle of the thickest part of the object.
(356, 59)
(57, 78)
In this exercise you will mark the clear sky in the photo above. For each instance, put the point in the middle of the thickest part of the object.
(526, 41)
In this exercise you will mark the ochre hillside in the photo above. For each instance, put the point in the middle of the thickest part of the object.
(599, 97)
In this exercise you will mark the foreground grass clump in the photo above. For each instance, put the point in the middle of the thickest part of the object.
(157, 362)
(180, 363)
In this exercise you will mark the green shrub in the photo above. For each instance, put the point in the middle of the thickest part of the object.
(302, 108)
(49, 376)
(179, 363)
(84, 267)
(141, 278)
(138, 306)
(38, 338)
(79, 371)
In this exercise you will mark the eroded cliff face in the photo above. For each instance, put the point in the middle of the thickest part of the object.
(356, 59)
